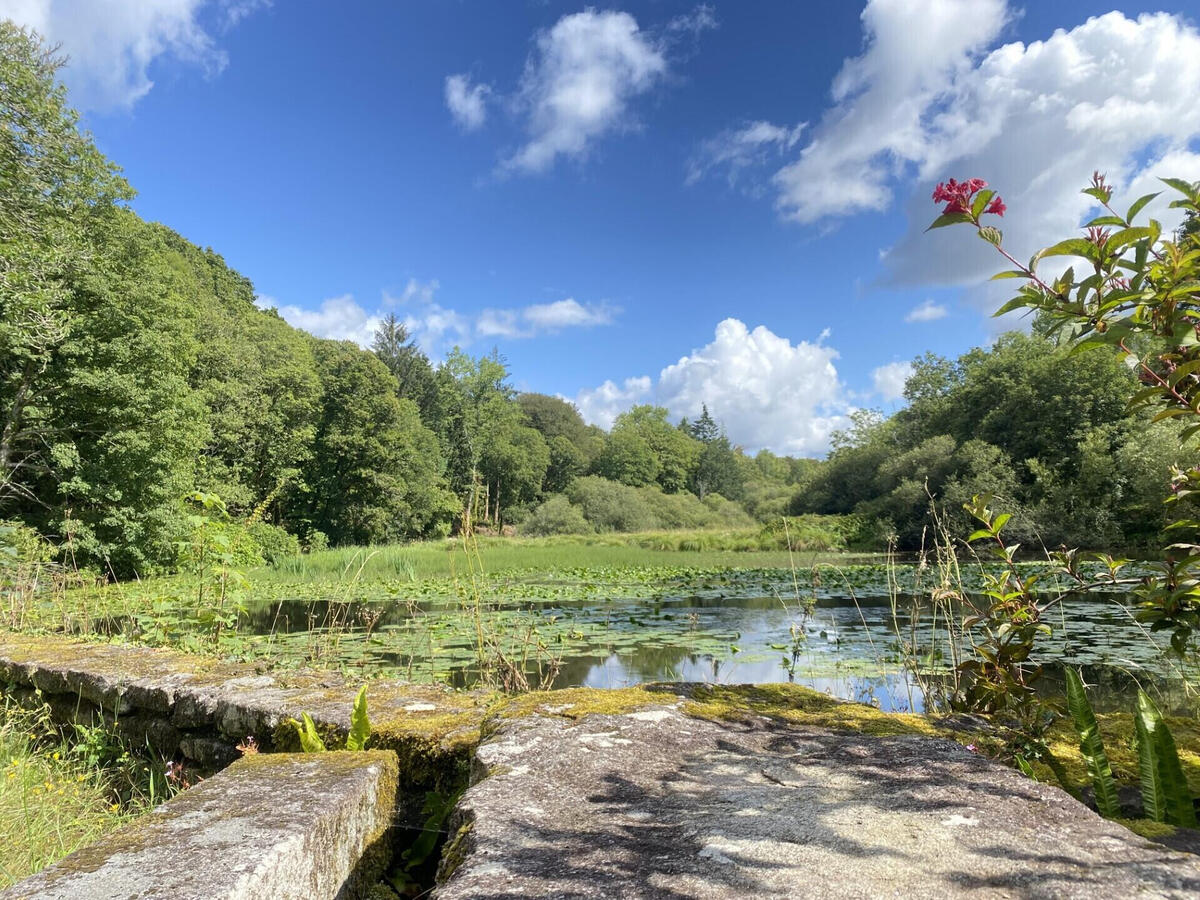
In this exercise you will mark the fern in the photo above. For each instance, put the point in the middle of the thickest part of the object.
(360, 723)
(1178, 799)
(1025, 767)
(1146, 722)
(310, 740)
(1092, 747)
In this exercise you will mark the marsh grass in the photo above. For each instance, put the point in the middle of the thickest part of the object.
(437, 559)
(61, 791)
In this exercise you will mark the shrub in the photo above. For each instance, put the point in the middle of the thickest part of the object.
(610, 506)
(273, 543)
(556, 516)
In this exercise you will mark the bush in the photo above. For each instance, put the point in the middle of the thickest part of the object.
(273, 543)
(610, 506)
(556, 516)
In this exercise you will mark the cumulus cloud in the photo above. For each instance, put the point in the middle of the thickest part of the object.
(435, 327)
(467, 102)
(737, 149)
(338, 318)
(112, 44)
(766, 391)
(579, 82)
(934, 95)
(601, 405)
(889, 380)
(927, 311)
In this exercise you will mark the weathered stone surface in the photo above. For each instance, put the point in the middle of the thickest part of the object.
(204, 707)
(656, 804)
(270, 826)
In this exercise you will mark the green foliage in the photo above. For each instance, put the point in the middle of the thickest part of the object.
(360, 723)
(642, 434)
(1043, 430)
(310, 739)
(557, 515)
(357, 738)
(1165, 794)
(1091, 746)
(272, 543)
(1138, 295)
(376, 469)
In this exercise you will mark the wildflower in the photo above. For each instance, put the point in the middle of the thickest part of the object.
(249, 745)
(972, 748)
(957, 196)
(1098, 236)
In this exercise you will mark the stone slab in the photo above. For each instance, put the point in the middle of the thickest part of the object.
(268, 827)
(206, 706)
(655, 804)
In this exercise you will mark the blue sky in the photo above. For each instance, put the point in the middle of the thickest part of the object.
(647, 202)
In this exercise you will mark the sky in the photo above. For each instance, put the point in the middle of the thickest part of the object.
(650, 202)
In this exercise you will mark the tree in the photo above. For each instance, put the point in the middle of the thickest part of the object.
(627, 458)
(414, 375)
(675, 452)
(58, 196)
(376, 470)
(705, 429)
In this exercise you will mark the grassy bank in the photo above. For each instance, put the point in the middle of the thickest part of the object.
(55, 796)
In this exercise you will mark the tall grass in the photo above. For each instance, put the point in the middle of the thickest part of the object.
(54, 797)
(746, 548)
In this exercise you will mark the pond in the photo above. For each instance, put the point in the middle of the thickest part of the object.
(841, 632)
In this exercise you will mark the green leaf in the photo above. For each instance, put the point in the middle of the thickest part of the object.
(1184, 187)
(1092, 746)
(1105, 220)
(993, 236)
(310, 740)
(1025, 767)
(1071, 247)
(1139, 204)
(949, 219)
(1011, 273)
(981, 202)
(1146, 721)
(360, 723)
(1179, 808)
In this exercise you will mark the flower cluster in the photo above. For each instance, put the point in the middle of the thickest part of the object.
(957, 196)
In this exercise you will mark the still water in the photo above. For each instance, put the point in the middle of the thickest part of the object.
(725, 630)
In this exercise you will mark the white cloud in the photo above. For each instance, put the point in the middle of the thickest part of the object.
(889, 380)
(699, 20)
(569, 313)
(932, 95)
(578, 85)
(765, 390)
(467, 102)
(914, 49)
(113, 44)
(601, 406)
(437, 328)
(740, 148)
(927, 311)
(339, 318)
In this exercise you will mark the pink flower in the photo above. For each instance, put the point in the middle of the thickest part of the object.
(996, 207)
(957, 196)
(972, 748)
